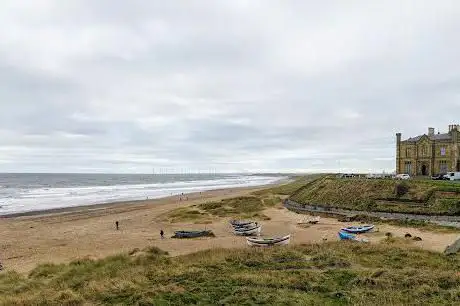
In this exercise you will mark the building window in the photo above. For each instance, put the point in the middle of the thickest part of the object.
(407, 152)
(424, 151)
(442, 166)
(408, 167)
(443, 151)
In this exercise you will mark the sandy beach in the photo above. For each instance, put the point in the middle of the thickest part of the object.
(89, 232)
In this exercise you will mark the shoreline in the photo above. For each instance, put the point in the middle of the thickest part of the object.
(89, 232)
(133, 203)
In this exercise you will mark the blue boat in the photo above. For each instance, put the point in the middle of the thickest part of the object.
(348, 236)
(358, 229)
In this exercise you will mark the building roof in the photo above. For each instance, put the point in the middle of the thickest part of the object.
(445, 136)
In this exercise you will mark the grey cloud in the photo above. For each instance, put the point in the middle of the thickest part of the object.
(114, 86)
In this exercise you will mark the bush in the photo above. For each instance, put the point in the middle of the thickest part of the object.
(401, 189)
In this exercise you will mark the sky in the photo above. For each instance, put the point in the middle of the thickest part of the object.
(308, 86)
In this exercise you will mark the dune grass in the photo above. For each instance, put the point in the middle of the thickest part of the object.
(335, 273)
(238, 207)
(415, 196)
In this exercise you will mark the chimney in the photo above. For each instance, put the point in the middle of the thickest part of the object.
(398, 137)
(453, 127)
(430, 131)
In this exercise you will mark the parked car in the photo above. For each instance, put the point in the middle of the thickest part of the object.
(402, 176)
(452, 176)
(345, 175)
(439, 177)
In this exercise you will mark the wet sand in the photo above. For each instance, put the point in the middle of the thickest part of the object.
(89, 232)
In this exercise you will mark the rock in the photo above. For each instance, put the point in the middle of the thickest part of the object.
(416, 238)
(407, 235)
(389, 235)
(453, 248)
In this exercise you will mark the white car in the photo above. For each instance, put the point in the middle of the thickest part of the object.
(452, 176)
(402, 177)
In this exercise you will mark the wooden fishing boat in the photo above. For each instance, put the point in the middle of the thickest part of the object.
(192, 234)
(358, 229)
(247, 231)
(239, 223)
(265, 242)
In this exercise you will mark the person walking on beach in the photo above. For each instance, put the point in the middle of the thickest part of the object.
(116, 225)
(162, 234)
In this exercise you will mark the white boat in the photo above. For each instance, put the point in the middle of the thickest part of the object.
(265, 242)
(245, 231)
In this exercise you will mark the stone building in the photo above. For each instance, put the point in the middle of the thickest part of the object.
(429, 154)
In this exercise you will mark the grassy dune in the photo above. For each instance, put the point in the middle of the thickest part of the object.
(336, 273)
(239, 207)
(421, 197)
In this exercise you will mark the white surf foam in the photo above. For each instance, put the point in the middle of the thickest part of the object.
(24, 200)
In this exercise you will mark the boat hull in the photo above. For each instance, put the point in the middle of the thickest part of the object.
(261, 242)
(247, 231)
(349, 236)
(358, 229)
(191, 234)
(239, 223)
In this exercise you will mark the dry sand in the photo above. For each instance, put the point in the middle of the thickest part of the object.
(65, 235)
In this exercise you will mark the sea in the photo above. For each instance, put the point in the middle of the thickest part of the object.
(21, 192)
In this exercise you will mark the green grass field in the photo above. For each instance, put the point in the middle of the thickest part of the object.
(414, 196)
(335, 273)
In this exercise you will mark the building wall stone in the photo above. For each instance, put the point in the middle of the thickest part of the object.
(429, 154)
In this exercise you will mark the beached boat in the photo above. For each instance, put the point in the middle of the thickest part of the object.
(358, 229)
(246, 225)
(247, 231)
(349, 236)
(240, 223)
(265, 242)
(192, 234)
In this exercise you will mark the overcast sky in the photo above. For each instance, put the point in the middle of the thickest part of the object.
(127, 86)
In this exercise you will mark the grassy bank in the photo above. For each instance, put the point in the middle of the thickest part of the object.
(420, 197)
(288, 189)
(336, 273)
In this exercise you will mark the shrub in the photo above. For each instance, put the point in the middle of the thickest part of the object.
(401, 189)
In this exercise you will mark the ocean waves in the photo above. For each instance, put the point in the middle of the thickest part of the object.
(23, 199)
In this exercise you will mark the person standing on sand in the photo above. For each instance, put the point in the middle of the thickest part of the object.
(162, 234)
(116, 225)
